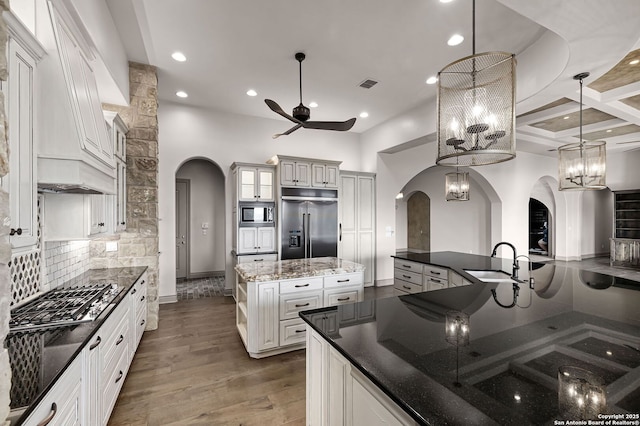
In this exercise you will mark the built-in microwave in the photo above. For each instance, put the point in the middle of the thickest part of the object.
(256, 214)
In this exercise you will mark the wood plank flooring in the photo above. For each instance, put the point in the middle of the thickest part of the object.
(194, 370)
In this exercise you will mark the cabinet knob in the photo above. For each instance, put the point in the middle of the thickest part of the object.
(121, 223)
(101, 224)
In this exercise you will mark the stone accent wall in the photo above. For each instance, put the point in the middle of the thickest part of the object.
(138, 246)
(5, 246)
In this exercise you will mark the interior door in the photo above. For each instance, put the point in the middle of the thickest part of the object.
(182, 228)
(418, 218)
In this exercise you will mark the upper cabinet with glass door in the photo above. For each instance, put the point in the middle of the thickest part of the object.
(255, 182)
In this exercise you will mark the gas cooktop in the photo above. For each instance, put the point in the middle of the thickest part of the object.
(63, 307)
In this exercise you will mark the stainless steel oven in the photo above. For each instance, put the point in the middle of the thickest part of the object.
(256, 214)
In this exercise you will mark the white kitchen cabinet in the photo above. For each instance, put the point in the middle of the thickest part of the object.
(255, 183)
(324, 175)
(256, 239)
(268, 321)
(295, 173)
(98, 213)
(23, 54)
(138, 312)
(356, 240)
(257, 258)
(338, 394)
(81, 83)
(74, 216)
(117, 131)
(63, 405)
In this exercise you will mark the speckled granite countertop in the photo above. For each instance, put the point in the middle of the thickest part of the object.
(295, 268)
(508, 371)
(38, 358)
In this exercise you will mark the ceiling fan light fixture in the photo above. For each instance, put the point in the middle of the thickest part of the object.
(476, 109)
(582, 165)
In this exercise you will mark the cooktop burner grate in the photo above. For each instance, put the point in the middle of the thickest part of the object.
(65, 306)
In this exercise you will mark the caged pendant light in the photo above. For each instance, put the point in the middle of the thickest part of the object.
(476, 109)
(457, 186)
(582, 165)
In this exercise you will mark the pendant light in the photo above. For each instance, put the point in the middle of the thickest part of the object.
(582, 165)
(457, 186)
(476, 108)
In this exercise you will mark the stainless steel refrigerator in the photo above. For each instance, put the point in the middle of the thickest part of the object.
(309, 223)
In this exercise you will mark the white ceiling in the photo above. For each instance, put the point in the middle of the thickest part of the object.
(234, 45)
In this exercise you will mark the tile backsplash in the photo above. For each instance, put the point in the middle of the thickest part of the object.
(64, 260)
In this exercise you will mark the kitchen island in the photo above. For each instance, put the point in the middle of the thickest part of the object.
(400, 365)
(270, 294)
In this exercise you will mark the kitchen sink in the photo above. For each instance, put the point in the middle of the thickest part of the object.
(491, 276)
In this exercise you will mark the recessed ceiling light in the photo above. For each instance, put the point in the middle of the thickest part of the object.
(566, 117)
(181, 94)
(179, 56)
(252, 92)
(364, 114)
(517, 397)
(313, 105)
(609, 130)
(455, 40)
(609, 353)
(432, 79)
(635, 62)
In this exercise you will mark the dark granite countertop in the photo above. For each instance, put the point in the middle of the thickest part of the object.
(508, 371)
(38, 358)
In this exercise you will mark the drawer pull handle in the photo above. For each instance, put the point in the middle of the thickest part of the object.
(142, 283)
(408, 288)
(120, 376)
(436, 281)
(47, 420)
(435, 272)
(344, 299)
(302, 285)
(344, 281)
(406, 276)
(134, 291)
(142, 323)
(15, 231)
(95, 345)
(258, 260)
(300, 331)
(303, 305)
(407, 266)
(142, 299)
(120, 339)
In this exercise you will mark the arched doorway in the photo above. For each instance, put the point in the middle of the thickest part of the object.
(539, 220)
(200, 223)
(418, 222)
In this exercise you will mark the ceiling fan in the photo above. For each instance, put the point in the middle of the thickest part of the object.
(301, 113)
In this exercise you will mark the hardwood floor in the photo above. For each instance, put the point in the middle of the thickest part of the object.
(194, 370)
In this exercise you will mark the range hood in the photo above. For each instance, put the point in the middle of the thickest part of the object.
(74, 176)
(66, 189)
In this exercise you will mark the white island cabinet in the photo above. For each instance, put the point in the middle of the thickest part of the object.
(270, 295)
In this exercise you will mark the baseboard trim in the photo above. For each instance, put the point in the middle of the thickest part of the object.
(173, 298)
(384, 283)
(569, 258)
(592, 255)
(227, 292)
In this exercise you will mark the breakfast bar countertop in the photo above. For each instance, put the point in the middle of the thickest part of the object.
(507, 373)
(295, 268)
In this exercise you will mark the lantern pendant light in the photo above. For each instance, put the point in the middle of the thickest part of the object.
(476, 108)
(582, 165)
(457, 186)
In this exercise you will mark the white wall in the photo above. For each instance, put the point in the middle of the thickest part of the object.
(597, 222)
(190, 132)
(463, 226)
(207, 251)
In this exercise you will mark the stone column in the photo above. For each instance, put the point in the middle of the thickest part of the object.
(5, 246)
(138, 246)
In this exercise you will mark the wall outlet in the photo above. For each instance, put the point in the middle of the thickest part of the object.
(111, 246)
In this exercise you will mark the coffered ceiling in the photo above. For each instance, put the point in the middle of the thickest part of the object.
(232, 46)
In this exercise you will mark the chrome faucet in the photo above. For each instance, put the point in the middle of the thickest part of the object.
(531, 279)
(514, 273)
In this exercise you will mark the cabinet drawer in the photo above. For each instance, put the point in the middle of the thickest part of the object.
(141, 322)
(115, 345)
(412, 277)
(111, 385)
(292, 331)
(66, 395)
(407, 286)
(408, 265)
(292, 303)
(302, 284)
(435, 283)
(340, 297)
(436, 271)
(343, 280)
(257, 258)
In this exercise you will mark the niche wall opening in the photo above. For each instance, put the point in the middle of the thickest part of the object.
(539, 228)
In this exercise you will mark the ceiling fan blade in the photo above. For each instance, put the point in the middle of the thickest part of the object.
(291, 130)
(341, 126)
(276, 108)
